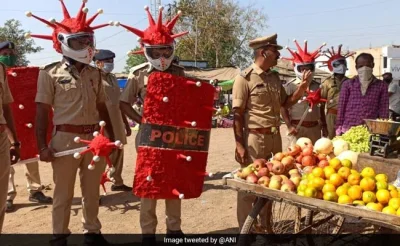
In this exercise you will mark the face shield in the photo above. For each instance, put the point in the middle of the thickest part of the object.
(300, 68)
(79, 47)
(339, 66)
(161, 56)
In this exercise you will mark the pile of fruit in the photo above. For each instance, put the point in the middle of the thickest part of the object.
(279, 175)
(357, 137)
(338, 182)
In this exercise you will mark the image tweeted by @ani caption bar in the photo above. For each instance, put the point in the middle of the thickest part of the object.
(204, 239)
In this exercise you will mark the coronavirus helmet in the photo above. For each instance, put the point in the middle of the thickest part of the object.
(301, 57)
(337, 61)
(73, 36)
(157, 41)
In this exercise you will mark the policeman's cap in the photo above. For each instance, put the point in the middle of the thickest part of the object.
(102, 55)
(264, 42)
(7, 45)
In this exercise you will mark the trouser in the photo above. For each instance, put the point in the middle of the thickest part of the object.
(148, 217)
(393, 115)
(117, 159)
(313, 133)
(5, 163)
(33, 183)
(258, 146)
(331, 124)
(64, 175)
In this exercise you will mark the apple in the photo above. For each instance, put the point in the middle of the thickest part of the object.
(323, 163)
(269, 166)
(262, 172)
(308, 169)
(252, 178)
(278, 156)
(299, 158)
(296, 180)
(295, 175)
(307, 151)
(277, 178)
(293, 171)
(274, 184)
(308, 161)
(288, 187)
(246, 172)
(284, 178)
(258, 164)
(264, 181)
(288, 162)
(278, 168)
(294, 150)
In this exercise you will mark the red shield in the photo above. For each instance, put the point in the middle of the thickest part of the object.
(23, 86)
(174, 138)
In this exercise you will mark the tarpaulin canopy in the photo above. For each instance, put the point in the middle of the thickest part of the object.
(226, 85)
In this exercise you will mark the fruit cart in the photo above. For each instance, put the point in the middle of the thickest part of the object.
(384, 137)
(289, 214)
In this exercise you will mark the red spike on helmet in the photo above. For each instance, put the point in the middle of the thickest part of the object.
(157, 33)
(334, 56)
(69, 25)
(302, 56)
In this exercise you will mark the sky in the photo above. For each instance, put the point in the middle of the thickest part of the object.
(355, 24)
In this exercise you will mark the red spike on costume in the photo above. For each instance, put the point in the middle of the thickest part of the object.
(339, 49)
(134, 30)
(99, 26)
(170, 24)
(65, 10)
(302, 56)
(179, 34)
(299, 49)
(63, 26)
(42, 20)
(88, 22)
(152, 23)
(159, 22)
(80, 12)
(305, 46)
(336, 56)
(47, 37)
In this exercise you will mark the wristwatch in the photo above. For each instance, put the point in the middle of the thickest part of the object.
(16, 144)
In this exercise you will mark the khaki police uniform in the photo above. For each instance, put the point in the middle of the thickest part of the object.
(73, 96)
(33, 183)
(5, 162)
(330, 91)
(136, 87)
(261, 95)
(113, 93)
(310, 128)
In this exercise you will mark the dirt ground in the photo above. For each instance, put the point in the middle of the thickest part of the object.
(213, 212)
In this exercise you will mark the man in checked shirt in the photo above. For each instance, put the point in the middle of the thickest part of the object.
(362, 97)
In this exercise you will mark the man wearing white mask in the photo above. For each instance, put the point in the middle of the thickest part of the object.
(104, 60)
(362, 97)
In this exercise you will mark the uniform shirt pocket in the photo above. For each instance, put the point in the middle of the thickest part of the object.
(67, 89)
(260, 96)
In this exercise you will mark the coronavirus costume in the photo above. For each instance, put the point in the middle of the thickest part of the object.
(337, 61)
(176, 123)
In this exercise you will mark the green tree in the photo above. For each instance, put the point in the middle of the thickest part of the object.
(12, 31)
(219, 31)
(134, 60)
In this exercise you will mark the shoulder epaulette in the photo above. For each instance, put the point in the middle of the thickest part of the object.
(246, 72)
(138, 67)
(47, 66)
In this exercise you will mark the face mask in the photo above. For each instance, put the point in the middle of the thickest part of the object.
(9, 61)
(108, 67)
(341, 69)
(84, 56)
(160, 63)
(365, 76)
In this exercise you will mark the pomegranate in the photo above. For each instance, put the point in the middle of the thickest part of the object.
(307, 151)
(294, 150)
(308, 161)
(278, 156)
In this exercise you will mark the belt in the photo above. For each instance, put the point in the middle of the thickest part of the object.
(265, 131)
(307, 124)
(332, 111)
(77, 129)
(3, 128)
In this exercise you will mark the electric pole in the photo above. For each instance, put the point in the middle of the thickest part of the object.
(154, 4)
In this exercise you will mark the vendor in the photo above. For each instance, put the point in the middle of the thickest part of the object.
(222, 112)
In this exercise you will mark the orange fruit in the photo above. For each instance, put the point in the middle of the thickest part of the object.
(375, 206)
(310, 177)
(342, 190)
(394, 203)
(345, 199)
(335, 163)
(330, 196)
(304, 177)
(301, 188)
(367, 184)
(381, 185)
(328, 171)
(317, 183)
(394, 194)
(392, 187)
(368, 196)
(347, 185)
(368, 172)
(347, 163)
(355, 192)
(353, 171)
(310, 192)
(383, 196)
(336, 180)
(328, 187)
(358, 203)
(354, 179)
(344, 172)
(381, 177)
(318, 172)
(389, 210)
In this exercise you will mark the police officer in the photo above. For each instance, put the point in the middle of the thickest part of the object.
(9, 154)
(9, 58)
(314, 124)
(104, 60)
(75, 92)
(257, 98)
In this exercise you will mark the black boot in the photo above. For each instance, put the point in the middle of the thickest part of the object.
(39, 197)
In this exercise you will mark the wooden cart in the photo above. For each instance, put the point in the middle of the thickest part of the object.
(290, 214)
